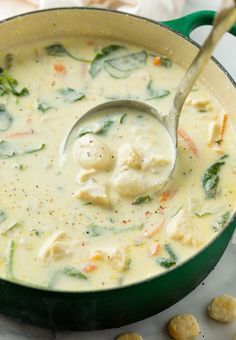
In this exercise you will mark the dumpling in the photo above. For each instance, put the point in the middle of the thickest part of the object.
(154, 163)
(129, 182)
(151, 158)
(91, 152)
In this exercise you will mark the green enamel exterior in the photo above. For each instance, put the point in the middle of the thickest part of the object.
(188, 23)
(111, 308)
(120, 306)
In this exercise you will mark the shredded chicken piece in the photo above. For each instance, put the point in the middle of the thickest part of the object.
(54, 247)
(94, 193)
(213, 133)
(201, 105)
(120, 260)
(181, 228)
(128, 156)
(84, 174)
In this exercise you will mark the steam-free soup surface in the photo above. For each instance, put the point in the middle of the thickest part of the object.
(95, 218)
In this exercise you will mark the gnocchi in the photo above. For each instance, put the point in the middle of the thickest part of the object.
(92, 153)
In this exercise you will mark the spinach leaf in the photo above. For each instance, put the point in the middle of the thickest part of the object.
(123, 116)
(35, 149)
(125, 230)
(73, 272)
(84, 131)
(68, 271)
(101, 130)
(127, 264)
(128, 62)
(166, 62)
(202, 214)
(6, 150)
(9, 259)
(3, 216)
(156, 93)
(58, 50)
(166, 262)
(98, 61)
(5, 118)
(9, 85)
(170, 251)
(71, 95)
(141, 199)
(122, 67)
(22, 93)
(221, 221)
(104, 127)
(44, 106)
(115, 73)
(37, 232)
(211, 178)
(94, 230)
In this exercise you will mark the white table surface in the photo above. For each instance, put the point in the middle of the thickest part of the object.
(221, 280)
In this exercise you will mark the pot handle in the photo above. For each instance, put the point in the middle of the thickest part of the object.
(188, 23)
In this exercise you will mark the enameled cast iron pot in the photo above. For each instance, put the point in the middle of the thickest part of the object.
(116, 307)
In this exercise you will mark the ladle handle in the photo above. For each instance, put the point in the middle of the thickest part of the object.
(222, 23)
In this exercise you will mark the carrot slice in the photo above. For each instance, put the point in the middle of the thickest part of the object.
(188, 141)
(154, 231)
(156, 61)
(89, 268)
(96, 255)
(59, 68)
(223, 125)
(164, 196)
(20, 134)
(155, 249)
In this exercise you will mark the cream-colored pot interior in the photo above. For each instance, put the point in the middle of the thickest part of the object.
(65, 22)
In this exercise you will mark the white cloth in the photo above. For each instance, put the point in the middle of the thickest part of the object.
(153, 9)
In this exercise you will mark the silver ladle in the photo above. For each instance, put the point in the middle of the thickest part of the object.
(222, 23)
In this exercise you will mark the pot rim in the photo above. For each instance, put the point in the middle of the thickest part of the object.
(138, 283)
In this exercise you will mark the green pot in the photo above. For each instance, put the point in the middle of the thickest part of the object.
(119, 306)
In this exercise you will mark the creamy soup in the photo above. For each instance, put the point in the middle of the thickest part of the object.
(93, 217)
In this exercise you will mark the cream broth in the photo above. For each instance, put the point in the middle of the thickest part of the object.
(97, 220)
